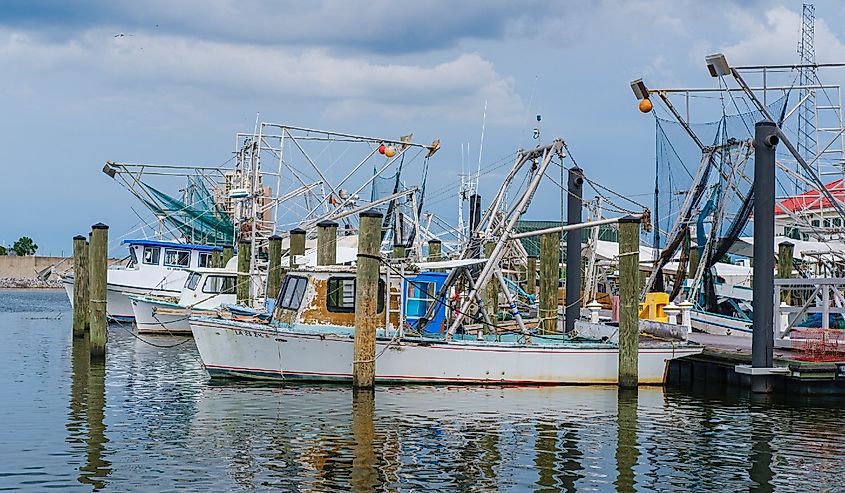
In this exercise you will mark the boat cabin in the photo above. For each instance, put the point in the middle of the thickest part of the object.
(169, 254)
(209, 288)
(326, 296)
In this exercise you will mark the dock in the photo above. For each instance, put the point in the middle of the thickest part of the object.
(726, 362)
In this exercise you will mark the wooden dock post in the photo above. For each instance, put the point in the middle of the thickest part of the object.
(435, 252)
(274, 267)
(629, 301)
(228, 253)
(549, 281)
(216, 259)
(327, 243)
(297, 246)
(366, 300)
(98, 289)
(80, 285)
(244, 282)
(531, 275)
(399, 251)
(786, 251)
(491, 291)
(572, 306)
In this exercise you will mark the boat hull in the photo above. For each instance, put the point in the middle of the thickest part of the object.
(240, 350)
(712, 323)
(118, 302)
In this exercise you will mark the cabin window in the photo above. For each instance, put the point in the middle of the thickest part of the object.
(815, 223)
(827, 223)
(151, 255)
(133, 258)
(204, 259)
(193, 280)
(219, 285)
(837, 222)
(420, 297)
(177, 258)
(340, 295)
(293, 289)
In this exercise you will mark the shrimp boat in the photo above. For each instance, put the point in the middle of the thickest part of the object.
(157, 268)
(431, 331)
(205, 290)
(310, 338)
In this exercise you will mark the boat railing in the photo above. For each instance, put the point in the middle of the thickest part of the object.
(796, 298)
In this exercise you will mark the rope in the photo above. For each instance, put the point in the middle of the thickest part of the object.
(162, 346)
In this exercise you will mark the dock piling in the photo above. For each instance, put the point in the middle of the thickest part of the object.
(243, 289)
(786, 251)
(228, 253)
(629, 298)
(531, 275)
(572, 311)
(80, 285)
(274, 268)
(762, 337)
(326, 243)
(435, 252)
(297, 246)
(366, 300)
(491, 291)
(549, 281)
(98, 289)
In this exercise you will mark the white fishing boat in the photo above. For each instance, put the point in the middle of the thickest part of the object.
(311, 339)
(204, 291)
(157, 268)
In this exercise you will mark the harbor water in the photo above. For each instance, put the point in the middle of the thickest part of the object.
(149, 419)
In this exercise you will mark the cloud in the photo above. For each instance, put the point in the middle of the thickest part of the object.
(375, 26)
(453, 88)
(774, 38)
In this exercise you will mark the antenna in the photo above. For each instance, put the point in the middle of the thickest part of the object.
(481, 145)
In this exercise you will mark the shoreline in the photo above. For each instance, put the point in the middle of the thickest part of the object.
(28, 283)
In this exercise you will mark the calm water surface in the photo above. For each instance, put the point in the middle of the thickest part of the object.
(149, 420)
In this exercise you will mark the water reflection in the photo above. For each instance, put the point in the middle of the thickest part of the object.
(88, 400)
(627, 453)
(364, 473)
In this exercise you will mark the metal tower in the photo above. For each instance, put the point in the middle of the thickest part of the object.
(807, 77)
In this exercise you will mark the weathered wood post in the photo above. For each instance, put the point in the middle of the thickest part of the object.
(531, 275)
(629, 301)
(399, 251)
(491, 291)
(549, 281)
(326, 243)
(786, 251)
(98, 289)
(435, 252)
(274, 267)
(228, 253)
(366, 300)
(573, 302)
(216, 259)
(297, 246)
(243, 289)
(762, 337)
(80, 285)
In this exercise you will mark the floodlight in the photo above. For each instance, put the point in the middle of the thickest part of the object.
(717, 65)
(639, 88)
(107, 169)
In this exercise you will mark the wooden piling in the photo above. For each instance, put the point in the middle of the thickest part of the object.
(216, 260)
(326, 243)
(98, 289)
(491, 291)
(399, 251)
(629, 298)
(297, 246)
(228, 253)
(435, 252)
(366, 300)
(80, 286)
(531, 275)
(786, 251)
(243, 289)
(549, 281)
(274, 267)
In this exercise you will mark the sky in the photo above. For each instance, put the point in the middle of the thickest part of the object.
(185, 76)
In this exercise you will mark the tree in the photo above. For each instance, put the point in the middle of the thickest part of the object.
(2, 250)
(24, 246)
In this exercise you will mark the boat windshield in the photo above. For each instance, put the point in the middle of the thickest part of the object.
(193, 280)
(219, 285)
(290, 297)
